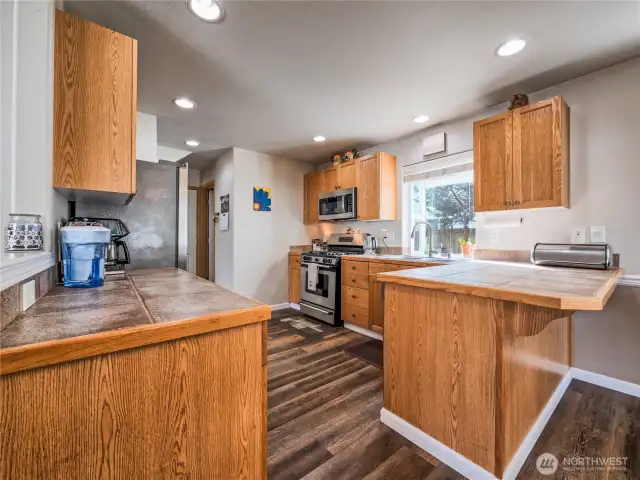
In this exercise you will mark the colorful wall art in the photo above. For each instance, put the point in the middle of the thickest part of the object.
(261, 199)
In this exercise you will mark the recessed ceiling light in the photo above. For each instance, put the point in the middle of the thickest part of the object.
(511, 47)
(319, 138)
(192, 143)
(420, 119)
(185, 103)
(207, 10)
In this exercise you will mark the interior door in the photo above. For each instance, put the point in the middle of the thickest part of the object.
(368, 181)
(493, 169)
(537, 155)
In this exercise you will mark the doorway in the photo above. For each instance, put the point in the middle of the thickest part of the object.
(201, 235)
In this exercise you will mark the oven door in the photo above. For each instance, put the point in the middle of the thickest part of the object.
(338, 205)
(324, 294)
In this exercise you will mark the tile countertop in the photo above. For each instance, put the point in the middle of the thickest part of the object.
(146, 306)
(560, 288)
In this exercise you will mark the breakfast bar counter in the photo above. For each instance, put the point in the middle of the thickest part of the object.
(159, 374)
(476, 352)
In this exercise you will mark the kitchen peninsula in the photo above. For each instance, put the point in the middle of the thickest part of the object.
(155, 375)
(474, 352)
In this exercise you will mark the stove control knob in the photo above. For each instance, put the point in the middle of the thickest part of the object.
(327, 260)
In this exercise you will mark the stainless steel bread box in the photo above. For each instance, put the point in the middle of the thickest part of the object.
(596, 256)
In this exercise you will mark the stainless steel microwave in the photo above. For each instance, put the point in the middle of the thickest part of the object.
(338, 205)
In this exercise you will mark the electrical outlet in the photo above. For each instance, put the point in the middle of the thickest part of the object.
(495, 236)
(385, 233)
(28, 294)
(597, 234)
(579, 235)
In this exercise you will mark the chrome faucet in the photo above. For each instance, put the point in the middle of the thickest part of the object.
(429, 233)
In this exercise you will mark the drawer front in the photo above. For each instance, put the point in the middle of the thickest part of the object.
(355, 280)
(356, 315)
(361, 268)
(355, 296)
(294, 261)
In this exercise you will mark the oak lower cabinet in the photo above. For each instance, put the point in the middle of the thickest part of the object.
(521, 158)
(362, 295)
(313, 186)
(95, 98)
(294, 277)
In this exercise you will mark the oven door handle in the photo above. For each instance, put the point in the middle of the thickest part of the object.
(326, 312)
(327, 267)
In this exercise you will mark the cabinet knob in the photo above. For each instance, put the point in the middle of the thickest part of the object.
(507, 203)
(516, 202)
(353, 267)
(353, 315)
(354, 296)
(353, 280)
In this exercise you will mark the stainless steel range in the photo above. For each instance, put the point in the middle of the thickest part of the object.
(320, 277)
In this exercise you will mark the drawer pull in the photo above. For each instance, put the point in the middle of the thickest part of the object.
(353, 315)
(354, 296)
(353, 267)
(353, 280)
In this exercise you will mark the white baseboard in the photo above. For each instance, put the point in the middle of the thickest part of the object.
(606, 382)
(523, 452)
(295, 306)
(629, 280)
(280, 306)
(363, 331)
(443, 453)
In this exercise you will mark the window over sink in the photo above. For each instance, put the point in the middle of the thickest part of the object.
(441, 192)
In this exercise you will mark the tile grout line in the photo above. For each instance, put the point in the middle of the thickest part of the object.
(144, 305)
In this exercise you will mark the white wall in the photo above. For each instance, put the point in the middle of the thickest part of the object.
(252, 257)
(605, 167)
(222, 173)
(26, 116)
(262, 239)
(146, 137)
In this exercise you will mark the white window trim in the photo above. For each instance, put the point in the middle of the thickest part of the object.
(421, 167)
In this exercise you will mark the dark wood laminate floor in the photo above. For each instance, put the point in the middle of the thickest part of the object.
(324, 407)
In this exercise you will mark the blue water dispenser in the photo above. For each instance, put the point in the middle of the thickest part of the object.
(83, 252)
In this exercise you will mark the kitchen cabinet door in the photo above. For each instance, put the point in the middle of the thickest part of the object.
(541, 155)
(313, 185)
(95, 92)
(492, 157)
(376, 182)
(330, 180)
(294, 285)
(347, 175)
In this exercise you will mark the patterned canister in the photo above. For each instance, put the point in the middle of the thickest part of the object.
(23, 233)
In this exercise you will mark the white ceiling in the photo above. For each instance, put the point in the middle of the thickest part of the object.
(276, 73)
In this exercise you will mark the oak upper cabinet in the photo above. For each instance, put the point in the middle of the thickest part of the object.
(95, 92)
(376, 182)
(521, 158)
(541, 154)
(492, 169)
(330, 180)
(313, 186)
(347, 175)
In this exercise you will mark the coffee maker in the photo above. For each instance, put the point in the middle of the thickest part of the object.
(117, 251)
